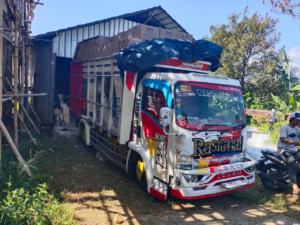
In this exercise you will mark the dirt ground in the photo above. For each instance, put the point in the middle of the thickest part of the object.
(100, 193)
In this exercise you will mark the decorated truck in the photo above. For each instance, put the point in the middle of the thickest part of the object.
(154, 110)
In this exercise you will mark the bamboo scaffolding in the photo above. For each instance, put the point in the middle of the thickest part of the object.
(30, 120)
(16, 69)
(36, 116)
(22, 72)
(23, 95)
(26, 129)
(9, 41)
(21, 10)
(8, 5)
(14, 149)
(22, 107)
(26, 66)
(22, 121)
(6, 99)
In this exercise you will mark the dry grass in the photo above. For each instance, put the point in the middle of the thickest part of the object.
(100, 193)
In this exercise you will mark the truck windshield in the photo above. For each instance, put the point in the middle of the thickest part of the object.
(201, 104)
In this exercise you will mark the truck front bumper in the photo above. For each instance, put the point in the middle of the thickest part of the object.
(213, 184)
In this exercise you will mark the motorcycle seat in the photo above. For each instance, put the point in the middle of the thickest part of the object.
(272, 153)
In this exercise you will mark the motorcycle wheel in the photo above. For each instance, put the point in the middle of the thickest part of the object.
(275, 172)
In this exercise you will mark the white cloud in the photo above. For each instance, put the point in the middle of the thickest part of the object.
(293, 64)
(294, 53)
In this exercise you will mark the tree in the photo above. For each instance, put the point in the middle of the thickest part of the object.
(295, 77)
(288, 7)
(249, 53)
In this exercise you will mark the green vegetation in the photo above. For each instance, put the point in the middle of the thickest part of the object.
(40, 207)
(24, 200)
(264, 127)
(249, 55)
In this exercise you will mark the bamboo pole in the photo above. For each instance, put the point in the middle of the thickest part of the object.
(34, 112)
(1, 68)
(9, 6)
(8, 40)
(27, 34)
(26, 70)
(22, 121)
(32, 123)
(22, 74)
(14, 149)
(26, 129)
(16, 69)
(25, 112)
(6, 99)
(23, 95)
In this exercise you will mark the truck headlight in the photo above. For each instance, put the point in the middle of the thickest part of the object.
(190, 178)
(250, 169)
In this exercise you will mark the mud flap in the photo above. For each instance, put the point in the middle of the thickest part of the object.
(159, 189)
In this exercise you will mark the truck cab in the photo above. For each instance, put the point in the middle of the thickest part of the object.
(191, 131)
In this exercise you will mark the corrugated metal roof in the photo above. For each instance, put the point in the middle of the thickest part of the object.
(155, 16)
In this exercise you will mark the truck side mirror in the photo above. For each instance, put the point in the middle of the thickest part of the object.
(164, 116)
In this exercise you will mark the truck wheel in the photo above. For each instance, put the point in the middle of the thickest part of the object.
(275, 172)
(140, 173)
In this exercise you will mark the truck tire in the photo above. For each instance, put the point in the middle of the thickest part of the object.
(141, 173)
(135, 170)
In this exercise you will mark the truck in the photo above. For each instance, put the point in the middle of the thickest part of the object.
(174, 128)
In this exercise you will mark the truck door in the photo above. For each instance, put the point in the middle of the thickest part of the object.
(156, 94)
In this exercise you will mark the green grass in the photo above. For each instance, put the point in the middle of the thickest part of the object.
(264, 127)
(25, 200)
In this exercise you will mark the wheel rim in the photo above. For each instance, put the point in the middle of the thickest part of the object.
(84, 135)
(140, 169)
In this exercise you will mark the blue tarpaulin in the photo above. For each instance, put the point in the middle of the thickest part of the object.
(144, 55)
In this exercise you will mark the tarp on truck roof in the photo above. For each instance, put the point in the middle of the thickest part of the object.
(144, 55)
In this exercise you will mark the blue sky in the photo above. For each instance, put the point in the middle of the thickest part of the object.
(196, 16)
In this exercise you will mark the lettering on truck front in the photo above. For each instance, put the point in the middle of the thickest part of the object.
(205, 149)
(136, 113)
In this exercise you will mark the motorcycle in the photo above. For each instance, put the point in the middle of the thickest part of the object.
(274, 173)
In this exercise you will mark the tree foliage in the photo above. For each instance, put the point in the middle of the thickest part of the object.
(281, 105)
(249, 54)
(288, 7)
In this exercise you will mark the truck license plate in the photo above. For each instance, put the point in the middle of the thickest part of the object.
(234, 184)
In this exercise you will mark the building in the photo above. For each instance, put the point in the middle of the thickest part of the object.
(52, 52)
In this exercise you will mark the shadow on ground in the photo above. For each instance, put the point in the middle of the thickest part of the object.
(100, 193)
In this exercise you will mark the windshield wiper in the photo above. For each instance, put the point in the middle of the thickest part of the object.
(209, 125)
